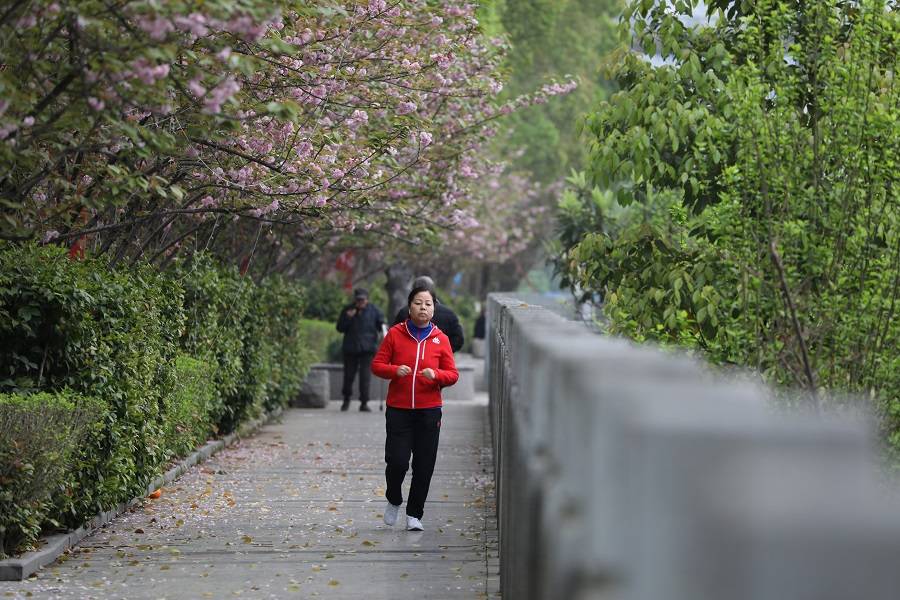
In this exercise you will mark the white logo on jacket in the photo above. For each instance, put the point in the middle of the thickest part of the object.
(437, 340)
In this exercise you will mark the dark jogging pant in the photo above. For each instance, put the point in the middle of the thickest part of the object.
(413, 432)
(361, 362)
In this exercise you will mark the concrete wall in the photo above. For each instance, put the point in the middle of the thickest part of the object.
(626, 473)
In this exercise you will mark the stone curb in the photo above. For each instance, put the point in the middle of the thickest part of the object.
(17, 569)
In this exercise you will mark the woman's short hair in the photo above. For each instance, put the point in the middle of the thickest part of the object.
(416, 290)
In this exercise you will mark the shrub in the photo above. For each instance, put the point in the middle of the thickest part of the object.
(145, 346)
(107, 334)
(749, 213)
(275, 362)
(216, 303)
(40, 435)
(249, 333)
(285, 301)
(322, 340)
(464, 307)
(324, 301)
(188, 407)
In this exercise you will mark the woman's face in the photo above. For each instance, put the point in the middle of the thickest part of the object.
(421, 309)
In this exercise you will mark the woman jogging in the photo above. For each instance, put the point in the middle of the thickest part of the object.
(417, 359)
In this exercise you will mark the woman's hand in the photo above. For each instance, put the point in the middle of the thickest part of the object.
(427, 374)
(403, 371)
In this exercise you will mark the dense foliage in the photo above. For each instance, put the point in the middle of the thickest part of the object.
(41, 436)
(112, 335)
(324, 341)
(554, 38)
(324, 301)
(742, 196)
(168, 359)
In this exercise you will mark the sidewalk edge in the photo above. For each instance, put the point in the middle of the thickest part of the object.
(17, 569)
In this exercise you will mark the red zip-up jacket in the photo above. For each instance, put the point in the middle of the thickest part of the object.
(400, 347)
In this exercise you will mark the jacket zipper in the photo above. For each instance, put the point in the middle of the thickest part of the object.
(416, 369)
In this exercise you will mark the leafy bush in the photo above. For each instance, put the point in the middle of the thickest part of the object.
(322, 340)
(249, 332)
(189, 407)
(465, 308)
(377, 295)
(216, 303)
(145, 346)
(750, 207)
(40, 435)
(107, 334)
(324, 300)
(274, 346)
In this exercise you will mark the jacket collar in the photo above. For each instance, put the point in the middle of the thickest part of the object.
(435, 331)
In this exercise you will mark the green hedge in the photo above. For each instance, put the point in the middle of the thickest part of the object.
(189, 408)
(250, 332)
(112, 335)
(273, 351)
(145, 345)
(217, 302)
(323, 340)
(324, 301)
(282, 330)
(41, 435)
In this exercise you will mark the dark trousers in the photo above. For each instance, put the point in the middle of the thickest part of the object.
(362, 362)
(413, 432)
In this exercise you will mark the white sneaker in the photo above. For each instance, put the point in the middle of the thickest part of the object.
(390, 514)
(413, 524)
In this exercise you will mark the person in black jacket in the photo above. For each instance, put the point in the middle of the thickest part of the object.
(445, 319)
(360, 323)
(479, 334)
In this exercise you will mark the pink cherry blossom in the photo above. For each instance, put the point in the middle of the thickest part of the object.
(405, 108)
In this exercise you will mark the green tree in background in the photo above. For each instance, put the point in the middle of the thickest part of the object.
(554, 39)
(751, 208)
(551, 43)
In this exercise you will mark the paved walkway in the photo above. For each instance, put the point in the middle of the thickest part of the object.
(295, 512)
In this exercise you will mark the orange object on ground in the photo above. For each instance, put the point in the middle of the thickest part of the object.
(155, 494)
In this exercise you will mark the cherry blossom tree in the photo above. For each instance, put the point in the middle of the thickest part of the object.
(267, 129)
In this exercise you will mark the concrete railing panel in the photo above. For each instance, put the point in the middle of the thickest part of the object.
(629, 473)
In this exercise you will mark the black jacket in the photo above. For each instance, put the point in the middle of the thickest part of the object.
(361, 330)
(480, 329)
(445, 319)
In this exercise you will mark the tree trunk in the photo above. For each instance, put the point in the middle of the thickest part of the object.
(399, 280)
